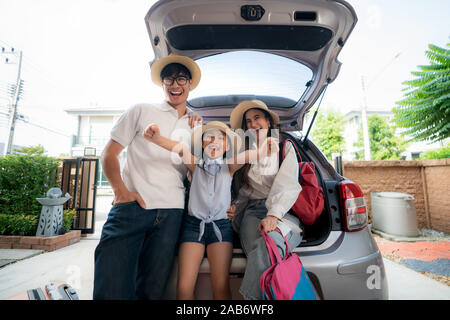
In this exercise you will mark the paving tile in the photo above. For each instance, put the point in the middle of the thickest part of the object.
(438, 266)
(4, 262)
(18, 254)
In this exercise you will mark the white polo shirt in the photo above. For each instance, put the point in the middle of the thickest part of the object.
(153, 172)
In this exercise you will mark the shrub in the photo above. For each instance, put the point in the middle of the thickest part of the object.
(25, 175)
(26, 225)
(68, 218)
(18, 224)
(440, 153)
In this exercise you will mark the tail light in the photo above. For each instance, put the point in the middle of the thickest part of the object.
(354, 210)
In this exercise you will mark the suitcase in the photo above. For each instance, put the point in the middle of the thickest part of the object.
(51, 291)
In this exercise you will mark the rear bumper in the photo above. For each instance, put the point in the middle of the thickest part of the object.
(351, 269)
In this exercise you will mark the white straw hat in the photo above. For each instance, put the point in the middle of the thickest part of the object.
(196, 139)
(238, 112)
(190, 64)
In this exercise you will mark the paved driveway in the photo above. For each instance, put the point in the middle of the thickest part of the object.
(75, 264)
(407, 284)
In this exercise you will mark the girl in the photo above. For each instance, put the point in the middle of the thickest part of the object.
(266, 192)
(207, 225)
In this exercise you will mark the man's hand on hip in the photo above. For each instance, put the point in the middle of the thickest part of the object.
(127, 196)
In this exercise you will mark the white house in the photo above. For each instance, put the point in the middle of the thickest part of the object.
(93, 132)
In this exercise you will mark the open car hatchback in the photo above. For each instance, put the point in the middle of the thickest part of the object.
(283, 52)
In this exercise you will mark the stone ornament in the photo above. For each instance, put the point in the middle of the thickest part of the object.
(50, 221)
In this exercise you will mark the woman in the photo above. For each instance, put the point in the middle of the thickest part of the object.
(265, 193)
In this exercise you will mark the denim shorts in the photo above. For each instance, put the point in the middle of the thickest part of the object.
(191, 231)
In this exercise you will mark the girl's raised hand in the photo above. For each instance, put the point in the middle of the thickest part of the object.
(151, 133)
(195, 120)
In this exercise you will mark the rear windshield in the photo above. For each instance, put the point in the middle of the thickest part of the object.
(250, 74)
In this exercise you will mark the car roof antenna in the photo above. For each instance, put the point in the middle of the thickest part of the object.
(315, 114)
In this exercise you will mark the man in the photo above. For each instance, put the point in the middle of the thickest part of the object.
(137, 247)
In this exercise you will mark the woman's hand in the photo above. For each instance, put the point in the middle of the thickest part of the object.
(231, 211)
(151, 133)
(268, 224)
(268, 147)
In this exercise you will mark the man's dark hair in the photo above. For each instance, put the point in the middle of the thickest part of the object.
(175, 69)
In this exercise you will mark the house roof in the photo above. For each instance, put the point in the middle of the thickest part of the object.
(96, 111)
(357, 112)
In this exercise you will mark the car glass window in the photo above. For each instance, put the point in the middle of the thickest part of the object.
(256, 73)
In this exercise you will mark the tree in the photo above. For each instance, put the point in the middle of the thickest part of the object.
(425, 109)
(30, 151)
(384, 144)
(327, 132)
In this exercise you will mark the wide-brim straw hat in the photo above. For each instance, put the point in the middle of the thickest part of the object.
(233, 139)
(190, 64)
(238, 112)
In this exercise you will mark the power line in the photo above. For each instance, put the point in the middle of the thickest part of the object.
(25, 119)
(45, 128)
(37, 69)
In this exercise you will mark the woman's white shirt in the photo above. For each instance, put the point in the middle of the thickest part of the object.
(278, 185)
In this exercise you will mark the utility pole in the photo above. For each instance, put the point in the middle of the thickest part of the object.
(365, 126)
(15, 99)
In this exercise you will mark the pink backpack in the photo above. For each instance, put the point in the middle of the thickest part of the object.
(286, 279)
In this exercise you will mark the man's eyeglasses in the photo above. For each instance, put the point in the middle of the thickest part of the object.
(168, 81)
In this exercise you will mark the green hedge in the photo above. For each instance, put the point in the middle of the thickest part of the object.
(18, 224)
(24, 176)
(26, 225)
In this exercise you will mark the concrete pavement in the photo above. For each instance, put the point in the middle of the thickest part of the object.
(407, 284)
(75, 264)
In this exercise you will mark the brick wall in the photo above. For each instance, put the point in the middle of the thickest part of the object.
(438, 188)
(428, 181)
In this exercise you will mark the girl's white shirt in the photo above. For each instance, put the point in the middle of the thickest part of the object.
(278, 185)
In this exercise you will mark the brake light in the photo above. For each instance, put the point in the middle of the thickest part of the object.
(354, 209)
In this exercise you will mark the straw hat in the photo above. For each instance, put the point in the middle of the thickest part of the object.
(160, 64)
(238, 112)
(232, 138)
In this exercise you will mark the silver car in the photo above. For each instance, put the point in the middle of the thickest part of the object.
(283, 52)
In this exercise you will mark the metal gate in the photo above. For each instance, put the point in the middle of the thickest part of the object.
(79, 178)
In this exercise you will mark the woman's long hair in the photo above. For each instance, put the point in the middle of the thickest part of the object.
(241, 176)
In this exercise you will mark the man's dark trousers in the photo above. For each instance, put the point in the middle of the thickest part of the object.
(135, 255)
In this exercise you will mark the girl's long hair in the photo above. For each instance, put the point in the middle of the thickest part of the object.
(241, 176)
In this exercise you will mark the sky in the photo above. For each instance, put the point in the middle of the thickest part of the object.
(79, 54)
